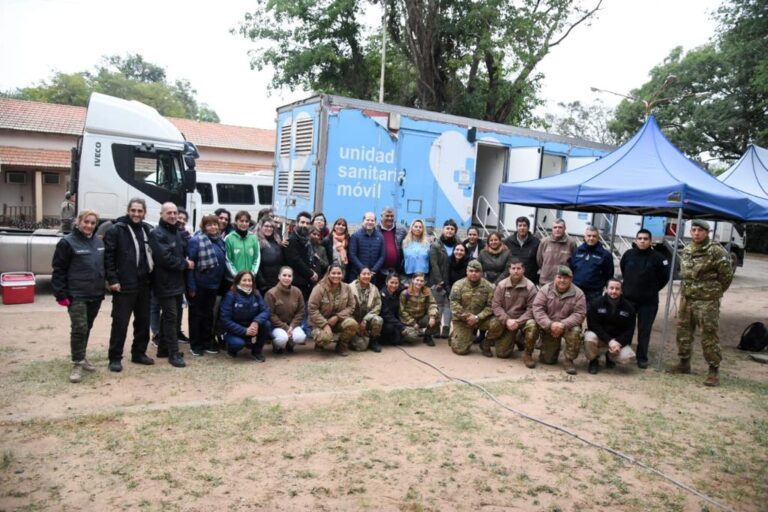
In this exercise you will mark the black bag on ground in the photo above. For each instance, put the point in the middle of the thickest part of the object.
(754, 338)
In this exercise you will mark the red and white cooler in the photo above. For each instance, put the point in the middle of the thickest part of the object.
(18, 287)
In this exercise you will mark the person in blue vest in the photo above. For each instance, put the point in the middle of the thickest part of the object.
(245, 316)
(78, 285)
(592, 265)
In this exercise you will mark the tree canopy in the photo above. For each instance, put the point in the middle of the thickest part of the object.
(463, 57)
(130, 78)
(718, 93)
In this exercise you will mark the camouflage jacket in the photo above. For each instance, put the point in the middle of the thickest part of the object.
(413, 307)
(469, 298)
(706, 270)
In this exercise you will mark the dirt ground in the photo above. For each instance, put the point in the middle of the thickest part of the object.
(312, 431)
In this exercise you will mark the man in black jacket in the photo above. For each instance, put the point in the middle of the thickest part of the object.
(610, 324)
(524, 246)
(128, 265)
(169, 253)
(299, 256)
(645, 272)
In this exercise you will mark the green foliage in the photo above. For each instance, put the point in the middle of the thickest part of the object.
(462, 57)
(719, 96)
(589, 122)
(129, 77)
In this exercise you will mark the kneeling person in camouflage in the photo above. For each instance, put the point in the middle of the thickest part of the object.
(419, 312)
(471, 299)
(331, 305)
(513, 307)
(559, 310)
(367, 311)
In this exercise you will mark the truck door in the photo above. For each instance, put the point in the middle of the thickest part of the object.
(524, 164)
(415, 195)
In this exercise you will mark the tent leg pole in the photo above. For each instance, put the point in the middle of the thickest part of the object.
(613, 230)
(670, 283)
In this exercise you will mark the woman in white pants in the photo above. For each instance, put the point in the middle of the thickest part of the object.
(286, 303)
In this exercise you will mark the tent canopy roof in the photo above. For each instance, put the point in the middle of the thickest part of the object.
(647, 175)
(750, 173)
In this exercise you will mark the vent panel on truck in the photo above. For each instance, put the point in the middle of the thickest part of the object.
(301, 183)
(304, 128)
(283, 179)
(285, 141)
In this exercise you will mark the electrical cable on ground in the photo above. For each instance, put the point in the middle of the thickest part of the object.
(571, 433)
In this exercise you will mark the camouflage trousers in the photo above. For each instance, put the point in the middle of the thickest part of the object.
(706, 314)
(373, 330)
(505, 339)
(416, 334)
(81, 317)
(463, 335)
(345, 330)
(550, 349)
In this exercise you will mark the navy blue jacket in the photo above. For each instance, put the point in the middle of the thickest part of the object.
(608, 323)
(239, 310)
(365, 250)
(210, 278)
(592, 267)
(169, 251)
(78, 267)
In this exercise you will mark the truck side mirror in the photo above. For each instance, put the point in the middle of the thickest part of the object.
(190, 180)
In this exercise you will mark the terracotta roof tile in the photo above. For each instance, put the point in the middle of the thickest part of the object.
(28, 157)
(34, 116)
(217, 135)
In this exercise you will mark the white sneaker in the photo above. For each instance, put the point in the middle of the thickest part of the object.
(76, 375)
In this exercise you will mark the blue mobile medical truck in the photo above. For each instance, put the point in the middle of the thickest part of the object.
(345, 157)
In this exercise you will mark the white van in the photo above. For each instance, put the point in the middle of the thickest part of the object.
(250, 192)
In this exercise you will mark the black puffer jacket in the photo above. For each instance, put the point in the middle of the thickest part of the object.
(169, 251)
(120, 254)
(78, 267)
(390, 308)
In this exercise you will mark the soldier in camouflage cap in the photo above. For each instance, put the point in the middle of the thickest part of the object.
(559, 310)
(419, 312)
(707, 273)
(471, 307)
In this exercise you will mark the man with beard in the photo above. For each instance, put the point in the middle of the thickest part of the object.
(300, 255)
(512, 305)
(128, 264)
(611, 322)
(524, 246)
(441, 250)
(554, 251)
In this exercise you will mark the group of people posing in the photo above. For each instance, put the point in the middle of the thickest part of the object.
(383, 284)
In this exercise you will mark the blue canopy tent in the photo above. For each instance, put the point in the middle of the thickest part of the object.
(750, 173)
(647, 175)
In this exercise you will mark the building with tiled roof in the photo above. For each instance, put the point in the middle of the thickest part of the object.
(36, 140)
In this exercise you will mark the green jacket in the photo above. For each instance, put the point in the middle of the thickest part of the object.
(242, 253)
(706, 270)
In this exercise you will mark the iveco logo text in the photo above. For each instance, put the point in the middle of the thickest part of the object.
(97, 155)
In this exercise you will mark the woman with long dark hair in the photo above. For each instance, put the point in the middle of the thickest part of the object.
(245, 316)
(331, 305)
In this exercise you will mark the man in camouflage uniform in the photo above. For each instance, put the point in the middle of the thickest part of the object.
(559, 310)
(512, 306)
(471, 299)
(707, 273)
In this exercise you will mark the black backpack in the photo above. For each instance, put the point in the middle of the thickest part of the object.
(754, 338)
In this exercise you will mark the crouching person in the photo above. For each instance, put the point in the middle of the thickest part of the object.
(331, 305)
(471, 300)
(244, 316)
(559, 310)
(611, 323)
(419, 312)
(367, 313)
(286, 304)
(513, 306)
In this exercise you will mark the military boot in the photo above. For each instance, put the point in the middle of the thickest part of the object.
(373, 345)
(528, 360)
(342, 349)
(594, 366)
(684, 366)
(485, 346)
(712, 379)
(428, 341)
(569, 367)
